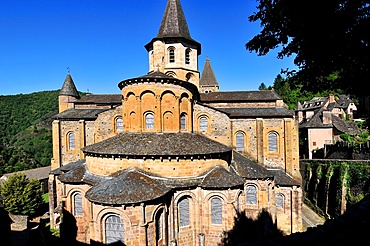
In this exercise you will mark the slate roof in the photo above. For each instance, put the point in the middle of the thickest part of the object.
(156, 144)
(173, 22)
(100, 99)
(174, 25)
(283, 179)
(257, 112)
(243, 96)
(133, 185)
(247, 168)
(251, 170)
(208, 77)
(36, 173)
(80, 114)
(343, 126)
(69, 88)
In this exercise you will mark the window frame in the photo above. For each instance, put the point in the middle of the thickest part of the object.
(77, 208)
(183, 121)
(280, 198)
(237, 141)
(216, 210)
(71, 141)
(203, 125)
(120, 223)
(251, 193)
(184, 212)
(119, 125)
(171, 55)
(273, 142)
(187, 56)
(149, 122)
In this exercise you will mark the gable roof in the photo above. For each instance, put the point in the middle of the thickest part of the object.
(240, 96)
(257, 112)
(316, 121)
(77, 114)
(36, 173)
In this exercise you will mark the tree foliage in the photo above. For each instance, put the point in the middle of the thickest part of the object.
(23, 196)
(25, 130)
(330, 41)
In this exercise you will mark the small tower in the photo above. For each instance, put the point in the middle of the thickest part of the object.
(208, 81)
(173, 52)
(67, 94)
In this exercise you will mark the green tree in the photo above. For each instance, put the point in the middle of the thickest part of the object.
(262, 87)
(327, 37)
(22, 196)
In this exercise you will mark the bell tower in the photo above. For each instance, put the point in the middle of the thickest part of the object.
(173, 52)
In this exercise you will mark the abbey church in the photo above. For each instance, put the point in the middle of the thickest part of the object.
(171, 159)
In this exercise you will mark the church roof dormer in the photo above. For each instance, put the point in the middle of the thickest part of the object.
(69, 88)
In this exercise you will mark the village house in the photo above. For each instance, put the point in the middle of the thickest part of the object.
(322, 120)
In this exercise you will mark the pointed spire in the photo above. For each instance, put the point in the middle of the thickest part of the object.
(208, 77)
(69, 88)
(173, 22)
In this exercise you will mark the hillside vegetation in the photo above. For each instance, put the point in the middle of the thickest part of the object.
(25, 130)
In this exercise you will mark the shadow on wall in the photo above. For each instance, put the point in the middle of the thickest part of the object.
(247, 231)
(68, 233)
(5, 226)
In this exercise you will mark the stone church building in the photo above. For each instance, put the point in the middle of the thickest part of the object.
(170, 159)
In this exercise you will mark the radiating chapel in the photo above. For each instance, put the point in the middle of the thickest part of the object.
(171, 159)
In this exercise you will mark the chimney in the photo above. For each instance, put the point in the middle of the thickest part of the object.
(326, 118)
(331, 98)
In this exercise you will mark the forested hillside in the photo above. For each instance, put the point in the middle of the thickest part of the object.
(25, 130)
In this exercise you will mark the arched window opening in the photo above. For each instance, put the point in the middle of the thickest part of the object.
(183, 122)
(216, 210)
(119, 124)
(77, 204)
(184, 212)
(71, 141)
(187, 56)
(159, 225)
(280, 200)
(203, 123)
(239, 141)
(273, 142)
(171, 53)
(251, 194)
(149, 121)
(114, 229)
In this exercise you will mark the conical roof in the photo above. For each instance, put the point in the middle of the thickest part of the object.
(174, 25)
(173, 22)
(208, 77)
(69, 88)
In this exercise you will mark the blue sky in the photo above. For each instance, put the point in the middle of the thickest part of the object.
(102, 43)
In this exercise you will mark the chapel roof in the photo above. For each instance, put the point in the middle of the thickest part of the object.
(77, 114)
(257, 112)
(208, 77)
(245, 96)
(174, 25)
(133, 185)
(156, 144)
(69, 87)
(100, 99)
